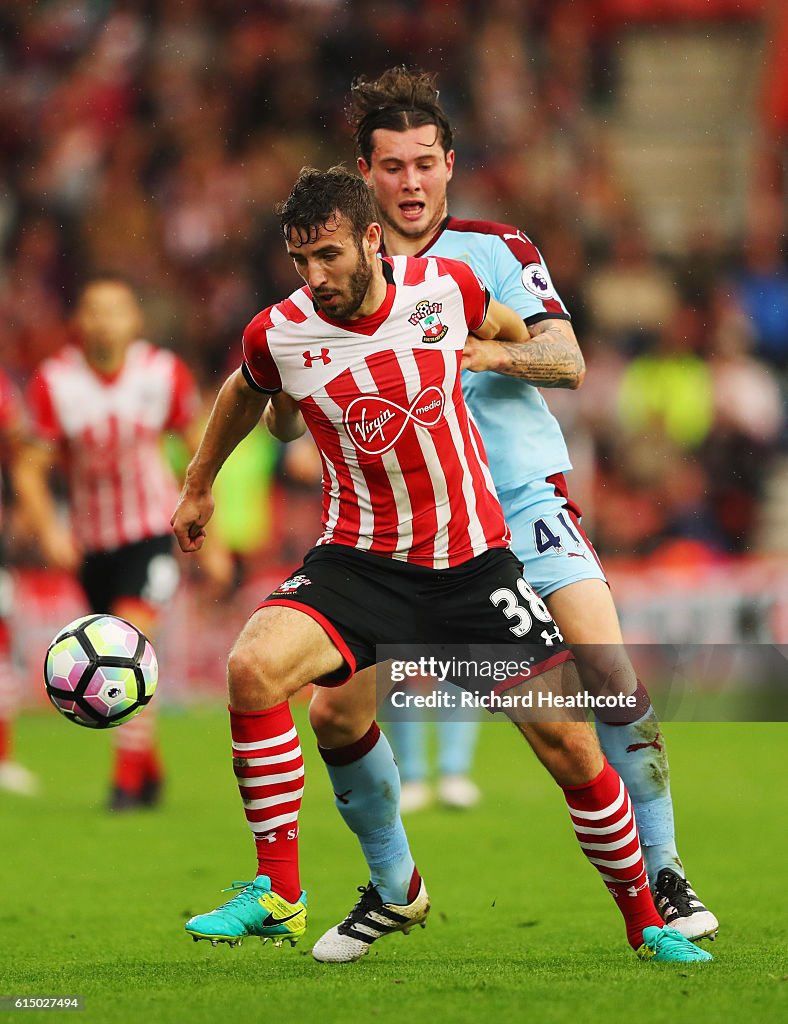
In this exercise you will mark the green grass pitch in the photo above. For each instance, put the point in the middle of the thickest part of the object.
(521, 927)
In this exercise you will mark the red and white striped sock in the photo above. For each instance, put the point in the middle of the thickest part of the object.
(5, 740)
(8, 692)
(127, 770)
(136, 759)
(269, 768)
(606, 830)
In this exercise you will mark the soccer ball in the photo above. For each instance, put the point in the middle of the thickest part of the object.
(100, 671)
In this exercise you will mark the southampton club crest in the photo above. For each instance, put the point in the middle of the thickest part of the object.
(291, 585)
(426, 315)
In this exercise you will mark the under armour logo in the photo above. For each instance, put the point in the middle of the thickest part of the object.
(549, 637)
(268, 837)
(322, 354)
(343, 797)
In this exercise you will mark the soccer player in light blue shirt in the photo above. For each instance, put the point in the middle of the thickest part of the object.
(405, 146)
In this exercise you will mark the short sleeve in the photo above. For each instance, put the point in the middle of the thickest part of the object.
(259, 367)
(522, 279)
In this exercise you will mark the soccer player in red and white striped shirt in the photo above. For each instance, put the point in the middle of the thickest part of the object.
(100, 408)
(414, 548)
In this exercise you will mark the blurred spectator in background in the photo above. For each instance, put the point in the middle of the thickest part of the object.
(629, 270)
(152, 138)
(667, 392)
(761, 281)
(741, 448)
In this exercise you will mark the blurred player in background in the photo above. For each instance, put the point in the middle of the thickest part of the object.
(14, 778)
(455, 745)
(100, 409)
(405, 154)
(414, 544)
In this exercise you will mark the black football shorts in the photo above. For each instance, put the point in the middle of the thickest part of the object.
(364, 600)
(146, 570)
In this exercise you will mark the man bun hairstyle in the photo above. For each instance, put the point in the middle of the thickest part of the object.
(318, 196)
(399, 99)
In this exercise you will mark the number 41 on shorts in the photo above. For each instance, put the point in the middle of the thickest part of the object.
(546, 539)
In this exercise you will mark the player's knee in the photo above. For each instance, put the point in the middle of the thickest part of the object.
(579, 747)
(605, 669)
(255, 676)
(334, 723)
(321, 717)
(570, 753)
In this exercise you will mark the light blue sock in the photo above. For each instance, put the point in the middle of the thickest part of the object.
(456, 746)
(637, 752)
(366, 788)
(409, 741)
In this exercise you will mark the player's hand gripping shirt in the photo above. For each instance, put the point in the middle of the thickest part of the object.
(404, 471)
(110, 429)
(521, 436)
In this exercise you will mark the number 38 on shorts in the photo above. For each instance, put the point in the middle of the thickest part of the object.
(524, 611)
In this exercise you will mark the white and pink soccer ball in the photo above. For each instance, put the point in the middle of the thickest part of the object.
(100, 671)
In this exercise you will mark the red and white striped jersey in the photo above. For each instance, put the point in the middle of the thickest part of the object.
(404, 472)
(120, 487)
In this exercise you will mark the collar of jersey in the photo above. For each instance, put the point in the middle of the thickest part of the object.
(367, 324)
(105, 378)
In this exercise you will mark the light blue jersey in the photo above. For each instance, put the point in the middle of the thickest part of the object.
(521, 436)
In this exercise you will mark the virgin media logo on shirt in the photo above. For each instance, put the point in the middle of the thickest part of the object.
(375, 424)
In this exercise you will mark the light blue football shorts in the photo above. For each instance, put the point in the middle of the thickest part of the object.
(547, 536)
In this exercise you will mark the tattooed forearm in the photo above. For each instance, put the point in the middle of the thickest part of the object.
(550, 360)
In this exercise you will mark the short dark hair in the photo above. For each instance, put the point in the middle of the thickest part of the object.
(318, 196)
(399, 99)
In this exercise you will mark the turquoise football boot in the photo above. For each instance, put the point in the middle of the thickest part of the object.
(666, 945)
(254, 911)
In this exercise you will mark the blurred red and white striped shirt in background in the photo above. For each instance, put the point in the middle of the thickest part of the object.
(110, 428)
